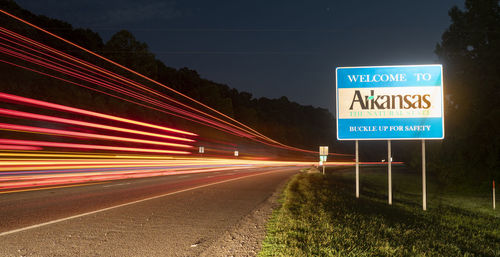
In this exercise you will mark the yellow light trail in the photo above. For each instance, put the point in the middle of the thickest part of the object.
(52, 187)
(80, 155)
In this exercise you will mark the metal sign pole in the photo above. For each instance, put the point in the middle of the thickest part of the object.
(424, 187)
(389, 158)
(357, 170)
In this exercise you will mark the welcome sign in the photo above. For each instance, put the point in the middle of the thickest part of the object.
(390, 102)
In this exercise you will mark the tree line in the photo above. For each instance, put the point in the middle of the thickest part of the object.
(280, 119)
(469, 50)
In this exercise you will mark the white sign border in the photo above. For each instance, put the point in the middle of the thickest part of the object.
(386, 66)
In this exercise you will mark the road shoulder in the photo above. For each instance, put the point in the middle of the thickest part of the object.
(245, 238)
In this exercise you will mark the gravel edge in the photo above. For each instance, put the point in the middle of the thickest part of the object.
(245, 238)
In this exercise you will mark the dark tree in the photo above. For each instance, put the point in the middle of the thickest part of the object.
(124, 49)
(470, 52)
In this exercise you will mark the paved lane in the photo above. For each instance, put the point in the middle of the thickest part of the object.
(168, 225)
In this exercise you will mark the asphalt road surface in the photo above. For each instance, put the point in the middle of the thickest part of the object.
(179, 215)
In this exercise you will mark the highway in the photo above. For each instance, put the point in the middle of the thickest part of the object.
(101, 160)
(176, 215)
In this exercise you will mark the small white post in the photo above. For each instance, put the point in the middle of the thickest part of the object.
(424, 188)
(323, 155)
(389, 160)
(493, 194)
(357, 170)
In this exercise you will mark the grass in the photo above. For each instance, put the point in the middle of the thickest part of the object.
(320, 216)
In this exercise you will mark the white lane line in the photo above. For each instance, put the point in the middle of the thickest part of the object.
(125, 204)
(121, 184)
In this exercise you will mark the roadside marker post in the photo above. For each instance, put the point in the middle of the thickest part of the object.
(399, 102)
(493, 194)
(323, 153)
(322, 161)
(236, 153)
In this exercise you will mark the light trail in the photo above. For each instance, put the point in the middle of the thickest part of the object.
(129, 93)
(272, 142)
(133, 72)
(25, 164)
(35, 174)
(27, 115)
(99, 91)
(21, 128)
(52, 187)
(32, 165)
(49, 154)
(172, 110)
(19, 147)
(85, 146)
(89, 113)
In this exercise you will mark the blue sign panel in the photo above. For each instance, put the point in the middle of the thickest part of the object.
(390, 102)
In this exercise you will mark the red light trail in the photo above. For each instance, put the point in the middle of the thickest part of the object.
(84, 146)
(49, 64)
(129, 70)
(239, 131)
(85, 112)
(20, 147)
(22, 128)
(124, 144)
(180, 113)
(34, 116)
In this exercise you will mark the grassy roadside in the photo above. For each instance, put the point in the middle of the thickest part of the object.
(321, 217)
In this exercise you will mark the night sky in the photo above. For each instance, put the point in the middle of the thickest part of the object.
(269, 48)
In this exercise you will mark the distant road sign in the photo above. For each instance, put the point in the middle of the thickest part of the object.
(323, 150)
(390, 102)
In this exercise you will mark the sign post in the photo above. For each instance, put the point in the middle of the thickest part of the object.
(389, 170)
(323, 153)
(357, 170)
(201, 150)
(424, 186)
(390, 103)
